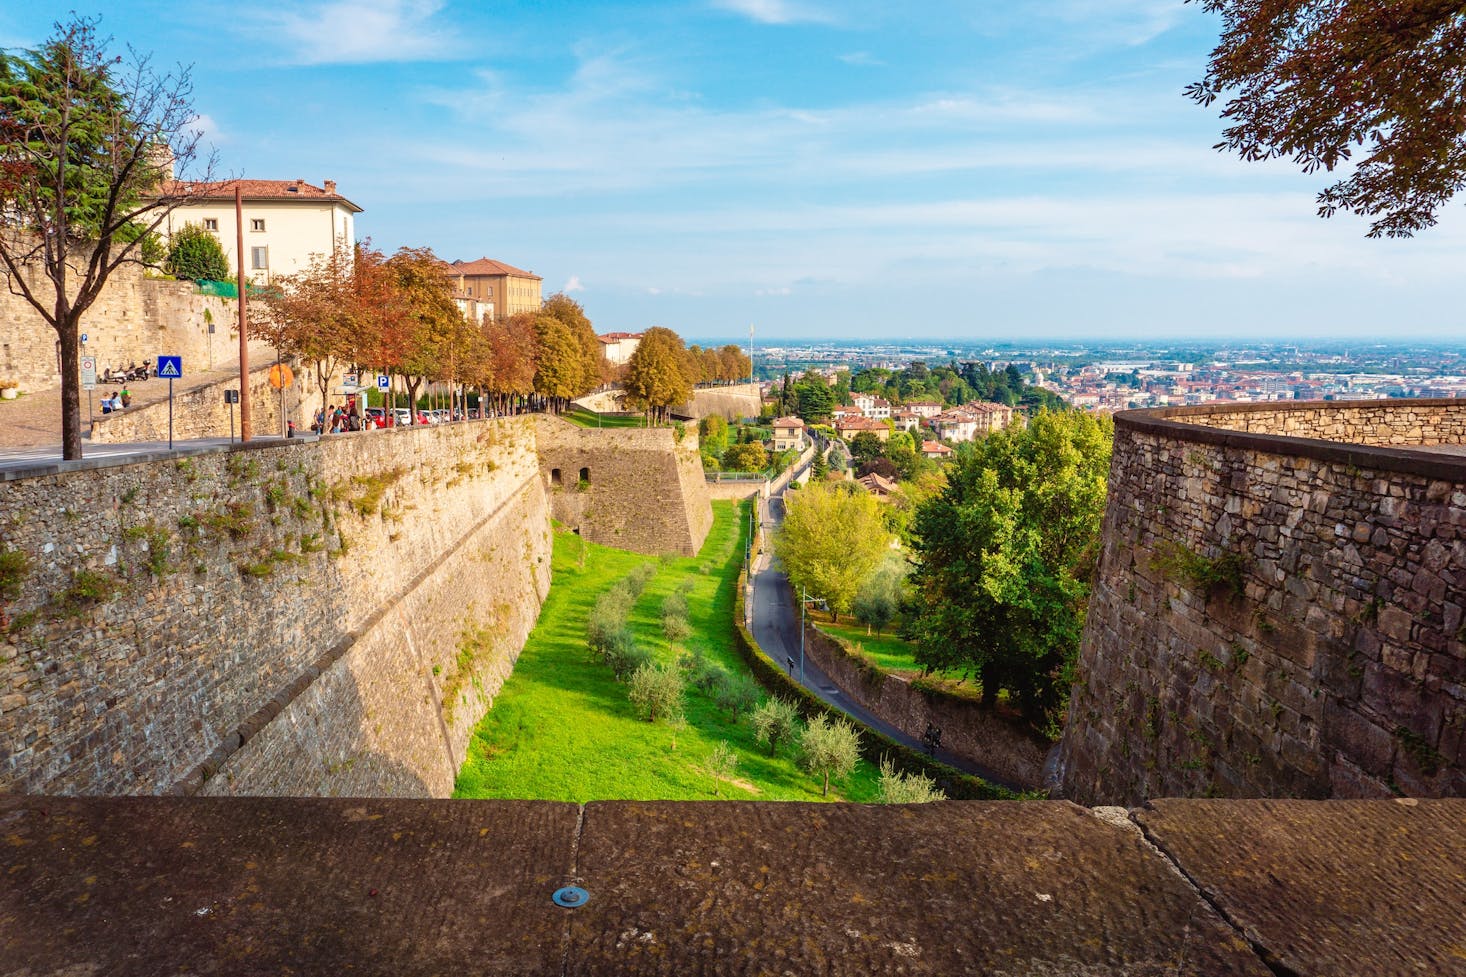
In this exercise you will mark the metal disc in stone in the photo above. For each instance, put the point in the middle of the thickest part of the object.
(570, 896)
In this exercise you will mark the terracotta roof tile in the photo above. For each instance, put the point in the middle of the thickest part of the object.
(258, 190)
(488, 266)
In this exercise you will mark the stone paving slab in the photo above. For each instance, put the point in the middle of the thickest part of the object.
(1333, 887)
(953, 888)
(159, 886)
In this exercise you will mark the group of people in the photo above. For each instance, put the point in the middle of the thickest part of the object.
(117, 400)
(336, 420)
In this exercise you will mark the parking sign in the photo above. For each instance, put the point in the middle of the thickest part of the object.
(383, 381)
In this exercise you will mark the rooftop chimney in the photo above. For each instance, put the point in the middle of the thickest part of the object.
(330, 186)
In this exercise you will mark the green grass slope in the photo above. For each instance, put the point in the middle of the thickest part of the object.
(563, 729)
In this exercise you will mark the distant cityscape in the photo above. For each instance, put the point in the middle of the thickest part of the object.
(1100, 377)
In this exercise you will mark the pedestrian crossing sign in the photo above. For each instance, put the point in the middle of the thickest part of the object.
(170, 367)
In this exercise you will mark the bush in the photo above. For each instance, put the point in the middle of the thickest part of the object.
(656, 692)
(775, 721)
(623, 655)
(907, 788)
(736, 694)
(828, 749)
(675, 627)
(195, 254)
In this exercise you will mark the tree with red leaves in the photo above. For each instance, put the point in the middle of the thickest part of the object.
(1317, 80)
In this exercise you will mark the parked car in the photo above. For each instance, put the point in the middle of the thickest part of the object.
(401, 416)
(377, 417)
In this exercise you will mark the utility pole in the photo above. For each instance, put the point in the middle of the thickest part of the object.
(245, 428)
(751, 372)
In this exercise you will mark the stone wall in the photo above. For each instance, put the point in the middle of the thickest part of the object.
(298, 617)
(1013, 755)
(732, 401)
(1274, 615)
(135, 318)
(202, 413)
(645, 490)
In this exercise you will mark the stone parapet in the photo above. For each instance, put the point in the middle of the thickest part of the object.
(1275, 614)
(151, 886)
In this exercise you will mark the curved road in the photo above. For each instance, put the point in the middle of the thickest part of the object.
(775, 627)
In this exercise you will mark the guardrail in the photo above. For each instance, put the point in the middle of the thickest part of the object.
(715, 478)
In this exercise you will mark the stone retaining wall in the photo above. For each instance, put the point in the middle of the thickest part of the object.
(134, 319)
(1274, 615)
(645, 489)
(202, 413)
(968, 730)
(174, 612)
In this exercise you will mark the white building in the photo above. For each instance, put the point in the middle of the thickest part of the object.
(286, 222)
(618, 346)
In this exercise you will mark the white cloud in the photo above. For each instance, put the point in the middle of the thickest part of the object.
(208, 129)
(863, 59)
(776, 11)
(362, 31)
(572, 284)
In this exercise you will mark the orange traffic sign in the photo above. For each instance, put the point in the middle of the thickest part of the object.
(281, 376)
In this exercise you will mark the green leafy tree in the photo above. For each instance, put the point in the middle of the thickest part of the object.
(1003, 557)
(819, 469)
(750, 457)
(196, 254)
(87, 143)
(814, 398)
(907, 788)
(879, 598)
(865, 446)
(828, 749)
(775, 721)
(721, 764)
(657, 377)
(832, 539)
(1313, 81)
(712, 432)
(656, 692)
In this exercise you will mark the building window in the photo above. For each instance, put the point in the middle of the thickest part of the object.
(555, 477)
(211, 224)
(257, 224)
(585, 476)
(259, 258)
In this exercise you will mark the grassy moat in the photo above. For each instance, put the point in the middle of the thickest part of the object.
(563, 729)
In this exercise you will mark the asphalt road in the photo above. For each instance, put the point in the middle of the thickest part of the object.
(776, 629)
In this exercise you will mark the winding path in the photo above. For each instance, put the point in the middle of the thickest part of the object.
(775, 627)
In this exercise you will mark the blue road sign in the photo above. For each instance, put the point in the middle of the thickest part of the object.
(170, 367)
(383, 381)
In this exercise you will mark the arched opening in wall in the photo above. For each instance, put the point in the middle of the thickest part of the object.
(585, 476)
(555, 478)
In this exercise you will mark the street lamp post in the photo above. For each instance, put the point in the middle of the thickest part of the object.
(804, 599)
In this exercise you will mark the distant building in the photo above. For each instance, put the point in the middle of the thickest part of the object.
(849, 427)
(935, 450)
(924, 408)
(503, 289)
(618, 346)
(906, 420)
(877, 485)
(971, 420)
(286, 222)
(788, 433)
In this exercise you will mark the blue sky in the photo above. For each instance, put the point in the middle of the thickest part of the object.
(845, 170)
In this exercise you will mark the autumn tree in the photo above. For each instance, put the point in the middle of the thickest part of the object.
(513, 343)
(656, 378)
(559, 367)
(1316, 81)
(832, 539)
(314, 315)
(590, 360)
(86, 146)
(432, 319)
